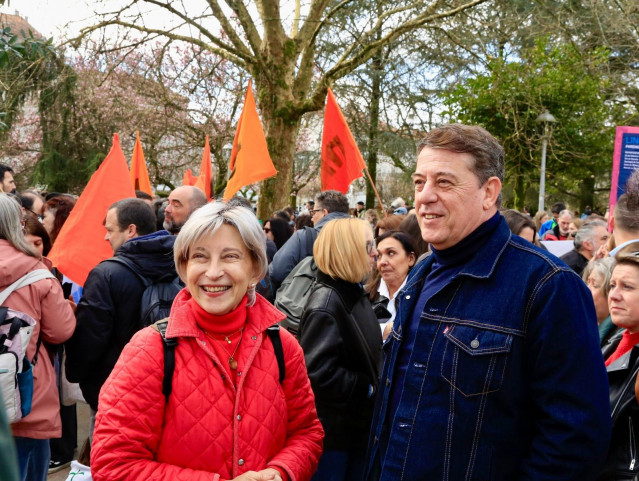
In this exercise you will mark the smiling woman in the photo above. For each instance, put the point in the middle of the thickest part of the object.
(245, 421)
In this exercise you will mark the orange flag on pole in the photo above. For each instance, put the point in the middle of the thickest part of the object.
(188, 178)
(80, 246)
(342, 161)
(206, 171)
(139, 173)
(250, 160)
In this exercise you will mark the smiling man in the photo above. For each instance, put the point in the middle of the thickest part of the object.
(489, 373)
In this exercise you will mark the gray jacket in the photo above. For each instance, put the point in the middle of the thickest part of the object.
(295, 249)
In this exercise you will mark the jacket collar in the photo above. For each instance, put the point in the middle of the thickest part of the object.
(481, 265)
(329, 217)
(182, 321)
(349, 292)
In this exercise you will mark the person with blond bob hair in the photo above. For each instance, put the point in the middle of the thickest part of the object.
(341, 339)
(233, 412)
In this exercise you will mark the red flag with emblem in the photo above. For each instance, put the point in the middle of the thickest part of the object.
(342, 161)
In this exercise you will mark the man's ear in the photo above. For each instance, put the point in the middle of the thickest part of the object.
(492, 188)
(132, 231)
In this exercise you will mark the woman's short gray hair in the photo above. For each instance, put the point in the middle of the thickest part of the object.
(11, 225)
(603, 270)
(205, 222)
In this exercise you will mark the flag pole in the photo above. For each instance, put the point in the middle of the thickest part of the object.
(379, 199)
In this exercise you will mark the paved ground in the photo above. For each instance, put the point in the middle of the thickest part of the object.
(83, 433)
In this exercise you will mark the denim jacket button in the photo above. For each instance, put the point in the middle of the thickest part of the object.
(474, 343)
(408, 296)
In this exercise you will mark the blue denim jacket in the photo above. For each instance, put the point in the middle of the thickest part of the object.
(506, 380)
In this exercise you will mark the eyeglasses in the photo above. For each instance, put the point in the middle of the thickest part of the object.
(370, 245)
(313, 211)
(267, 230)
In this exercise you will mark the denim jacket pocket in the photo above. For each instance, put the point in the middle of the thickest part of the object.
(475, 359)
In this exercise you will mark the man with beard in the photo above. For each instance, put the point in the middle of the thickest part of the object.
(7, 184)
(183, 201)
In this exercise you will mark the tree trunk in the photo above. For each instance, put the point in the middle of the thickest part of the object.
(373, 128)
(281, 122)
(587, 193)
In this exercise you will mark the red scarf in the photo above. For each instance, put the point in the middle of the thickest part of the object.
(628, 341)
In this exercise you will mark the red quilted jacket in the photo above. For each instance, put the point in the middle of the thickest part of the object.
(208, 430)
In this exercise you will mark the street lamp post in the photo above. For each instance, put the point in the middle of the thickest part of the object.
(547, 118)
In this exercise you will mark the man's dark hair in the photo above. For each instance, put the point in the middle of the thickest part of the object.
(27, 199)
(290, 211)
(140, 194)
(473, 140)
(137, 212)
(282, 214)
(303, 220)
(333, 201)
(557, 207)
(311, 203)
(3, 169)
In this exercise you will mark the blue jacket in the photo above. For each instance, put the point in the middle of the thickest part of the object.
(506, 380)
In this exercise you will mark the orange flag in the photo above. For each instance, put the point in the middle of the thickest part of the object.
(139, 173)
(250, 160)
(189, 178)
(80, 246)
(206, 171)
(342, 161)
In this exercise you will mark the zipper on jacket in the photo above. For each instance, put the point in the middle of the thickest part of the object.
(633, 454)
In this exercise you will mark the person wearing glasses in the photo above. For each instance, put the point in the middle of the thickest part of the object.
(341, 339)
(329, 205)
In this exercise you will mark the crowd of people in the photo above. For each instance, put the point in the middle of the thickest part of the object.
(436, 341)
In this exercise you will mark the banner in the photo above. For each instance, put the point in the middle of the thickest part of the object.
(625, 160)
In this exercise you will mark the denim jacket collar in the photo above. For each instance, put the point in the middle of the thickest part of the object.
(480, 266)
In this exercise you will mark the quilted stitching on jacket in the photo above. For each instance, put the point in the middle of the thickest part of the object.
(206, 428)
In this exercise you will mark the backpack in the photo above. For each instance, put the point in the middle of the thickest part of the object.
(169, 346)
(157, 297)
(295, 289)
(16, 372)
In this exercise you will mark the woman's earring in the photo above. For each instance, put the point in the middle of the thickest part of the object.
(250, 295)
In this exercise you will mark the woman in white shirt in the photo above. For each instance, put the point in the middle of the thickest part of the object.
(395, 258)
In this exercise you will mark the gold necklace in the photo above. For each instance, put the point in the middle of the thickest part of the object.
(231, 360)
(227, 337)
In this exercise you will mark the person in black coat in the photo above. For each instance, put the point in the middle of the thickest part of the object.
(341, 339)
(109, 312)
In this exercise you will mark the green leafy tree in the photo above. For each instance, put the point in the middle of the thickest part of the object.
(509, 96)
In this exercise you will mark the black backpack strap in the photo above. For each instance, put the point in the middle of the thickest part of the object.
(125, 262)
(273, 333)
(169, 357)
